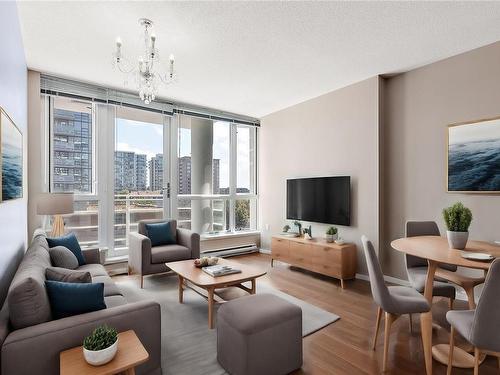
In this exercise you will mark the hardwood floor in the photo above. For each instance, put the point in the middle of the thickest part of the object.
(344, 347)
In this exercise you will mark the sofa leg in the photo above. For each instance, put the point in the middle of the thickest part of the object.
(142, 282)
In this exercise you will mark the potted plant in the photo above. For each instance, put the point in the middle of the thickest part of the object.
(457, 219)
(286, 228)
(100, 346)
(308, 233)
(299, 226)
(331, 234)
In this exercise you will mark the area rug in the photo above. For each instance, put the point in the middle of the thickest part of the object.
(188, 346)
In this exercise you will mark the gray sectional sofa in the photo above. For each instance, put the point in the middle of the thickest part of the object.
(31, 340)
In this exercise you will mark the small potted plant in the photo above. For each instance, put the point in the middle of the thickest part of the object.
(308, 233)
(286, 228)
(331, 234)
(457, 219)
(299, 226)
(100, 346)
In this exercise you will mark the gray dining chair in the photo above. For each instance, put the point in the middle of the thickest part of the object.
(445, 274)
(394, 301)
(417, 267)
(480, 326)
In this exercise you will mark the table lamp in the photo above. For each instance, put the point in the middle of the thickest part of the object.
(55, 204)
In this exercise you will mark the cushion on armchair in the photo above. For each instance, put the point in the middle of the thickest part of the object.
(71, 242)
(160, 234)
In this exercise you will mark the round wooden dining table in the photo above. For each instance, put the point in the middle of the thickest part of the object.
(435, 250)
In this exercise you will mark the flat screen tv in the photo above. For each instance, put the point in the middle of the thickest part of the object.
(320, 199)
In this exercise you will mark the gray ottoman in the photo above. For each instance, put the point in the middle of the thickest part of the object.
(259, 335)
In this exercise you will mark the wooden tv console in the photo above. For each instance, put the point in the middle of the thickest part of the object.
(316, 255)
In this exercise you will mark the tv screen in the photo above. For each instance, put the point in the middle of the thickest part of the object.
(320, 199)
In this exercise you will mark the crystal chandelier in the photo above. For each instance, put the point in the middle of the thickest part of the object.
(147, 70)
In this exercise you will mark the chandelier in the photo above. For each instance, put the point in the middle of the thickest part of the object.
(147, 70)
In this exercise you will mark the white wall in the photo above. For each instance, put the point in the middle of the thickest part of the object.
(334, 134)
(13, 98)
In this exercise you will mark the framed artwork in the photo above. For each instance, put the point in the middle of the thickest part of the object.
(474, 157)
(11, 161)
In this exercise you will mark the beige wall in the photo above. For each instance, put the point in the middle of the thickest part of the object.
(334, 134)
(36, 166)
(418, 106)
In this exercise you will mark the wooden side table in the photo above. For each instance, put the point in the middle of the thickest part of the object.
(130, 354)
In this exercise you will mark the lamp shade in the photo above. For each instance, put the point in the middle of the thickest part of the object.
(55, 204)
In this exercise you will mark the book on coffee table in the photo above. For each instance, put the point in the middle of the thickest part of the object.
(220, 270)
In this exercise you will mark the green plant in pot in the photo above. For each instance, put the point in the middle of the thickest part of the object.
(457, 219)
(100, 346)
(286, 228)
(331, 234)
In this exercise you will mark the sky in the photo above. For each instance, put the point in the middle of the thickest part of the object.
(147, 139)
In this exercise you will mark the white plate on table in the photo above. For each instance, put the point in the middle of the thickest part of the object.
(477, 256)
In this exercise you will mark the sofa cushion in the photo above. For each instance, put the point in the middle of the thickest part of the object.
(71, 242)
(169, 253)
(94, 269)
(68, 299)
(27, 297)
(61, 256)
(160, 234)
(113, 301)
(67, 276)
(110, 288)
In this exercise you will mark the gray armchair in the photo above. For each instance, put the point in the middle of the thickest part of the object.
(145, 259)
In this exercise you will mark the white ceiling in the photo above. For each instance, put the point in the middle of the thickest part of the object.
(255, 58)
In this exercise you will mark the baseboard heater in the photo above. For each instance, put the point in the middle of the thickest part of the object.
(231, 251)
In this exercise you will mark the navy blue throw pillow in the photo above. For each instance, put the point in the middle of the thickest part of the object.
(160, 234)
(71, 242)
(68, 299)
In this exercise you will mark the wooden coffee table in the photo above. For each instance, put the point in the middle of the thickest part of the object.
(189, 274)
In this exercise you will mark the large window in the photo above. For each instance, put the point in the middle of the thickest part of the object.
(216, 176)
(118, 161)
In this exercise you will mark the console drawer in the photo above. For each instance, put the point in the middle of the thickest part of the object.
(280, 248)
(301, 254)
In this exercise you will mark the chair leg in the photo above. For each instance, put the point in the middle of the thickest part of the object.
(476, 361)
(142, 282)
(389, 319)
(450, 303)
(377, 327)
(411, 323)
(450, 355)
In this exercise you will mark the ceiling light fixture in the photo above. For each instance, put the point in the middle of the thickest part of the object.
(147, 70)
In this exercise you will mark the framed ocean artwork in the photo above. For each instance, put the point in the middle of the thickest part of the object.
(11, 161)
(474, 157)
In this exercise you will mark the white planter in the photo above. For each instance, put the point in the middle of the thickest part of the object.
(331, 237)
(100, 357)
(457, 240)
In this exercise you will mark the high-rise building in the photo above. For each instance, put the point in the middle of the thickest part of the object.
(185, 175)
(141, 172)
(130, 171)
(156, 173)
(72, 147)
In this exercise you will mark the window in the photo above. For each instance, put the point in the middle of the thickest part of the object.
(71, 146)
(117, 162)
(216, 181)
